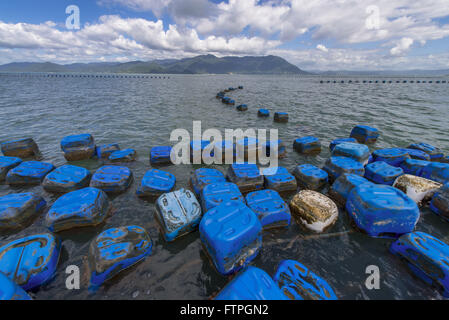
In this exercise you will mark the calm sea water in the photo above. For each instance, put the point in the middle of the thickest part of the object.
(141, 113)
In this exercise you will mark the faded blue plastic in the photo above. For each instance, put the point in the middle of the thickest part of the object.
(356, 151)
(414, 167)
(82, 208)
(6, 164)
(66, 179)
(365, 134)
(29, 173)
(217, 193)
(382, 211)
(78, 147)
(434, 152)
(307, 145)
(299, 283)
(417, 154)
(155, 183)
(394, 156)
(310, 177)
(160, 155)
(426, 256)
(336, 142)
(22, 148)
(242, 107)
(264, 113)
(445, 159)
(127, 155)
(115, 250)
(343, 186)
(232, 236)
(104, 151)
(336, 166)
(203, 177)
(178, 214)
(436, 171)
(30, 261)
(271, 145)
(279, 179)
(246, 176)
(17, 209)
(11, 291)
(113, 179)
(270, 208)
(251, 284)
(440, 202)
(382, 173)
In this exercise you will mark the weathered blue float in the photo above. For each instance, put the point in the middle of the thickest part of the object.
(9, 290)
(178, 213)
(263, 113)
(382, 211)
(78, 147)
(297, 282)
(127, 155)
(382, 173)
(394, 156)
(251, 284)
(307, 145)
(17, 209)
(155, 183)
(426, 256)
(435, 171)
(336, 166)
(66, 179)
(281, 117)
(29, 173)
(246, 176)
(440, 202)
(232, 236)
(217, 193)
(417, 154)
(356, 151)
(271, 147)
(242, 107)
(104, 151)
(247, 149)
(82, 208)
(336, 142)
(197, 148)
(310, 177)
(414, 167)
(22, 148)
(270, 208)
(365, 134)
(6, 164)
(435, 153)
(30, 261)
(113, 179)
(445, 159)
(279, 179)
(203, 177)
(343, 186)
(115, 250)
(160, 155)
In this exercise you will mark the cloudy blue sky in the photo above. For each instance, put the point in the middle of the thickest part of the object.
(313, 34)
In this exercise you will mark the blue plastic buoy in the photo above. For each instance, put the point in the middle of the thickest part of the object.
(310, 177)
(203, 177)
(307, 145)
(155, 183)
(21, 148)
(29, 173)
(356, 151)
(279, 179)
(440, 202)
(343, 186)
(270, 208)
(393, 156)
(66, 179)
(336, 142)
(382, 173)
(246, 176)
(113, 179)
(336, 166)
(215, 194)
(78, 147)
(365, 134)
(18, 209)
(6, 164)
(160, 155)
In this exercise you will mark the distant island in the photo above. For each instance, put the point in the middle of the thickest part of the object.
(205, 64)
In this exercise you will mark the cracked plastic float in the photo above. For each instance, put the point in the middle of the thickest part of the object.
(82, 208)
(270, 208)
(232, 236)
(112, 179)
(29, 173)
(115, 250)
(297, 282)
(426, 256)
(215, 194)
(67, 178)
(30, 261)
(18, 209)
(419, 189)
(178, 213)
(22, 148)
(310, 177)
(78, 147)
(314, 210)
(155, 183)
(251, 284)
(382, 211)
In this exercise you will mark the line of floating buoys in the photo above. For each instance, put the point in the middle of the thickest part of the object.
(384, 81)
(83, 75)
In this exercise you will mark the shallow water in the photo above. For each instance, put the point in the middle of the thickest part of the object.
(141, 113)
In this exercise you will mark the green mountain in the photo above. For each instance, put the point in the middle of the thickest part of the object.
(207, 64)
